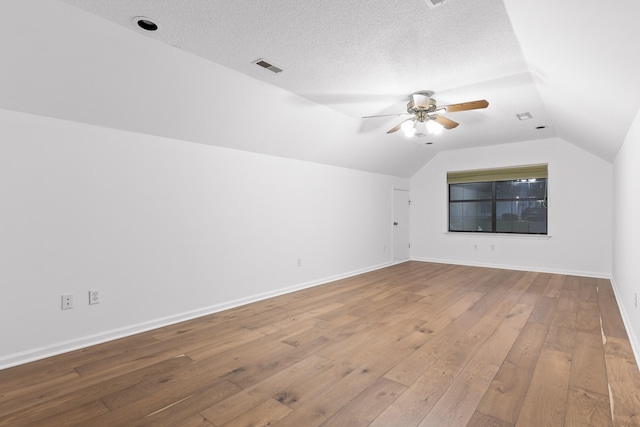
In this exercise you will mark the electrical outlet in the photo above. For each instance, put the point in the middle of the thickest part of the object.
(67, 301)
(493, 247)
(475, 247)
(299, 262)
(94, 297)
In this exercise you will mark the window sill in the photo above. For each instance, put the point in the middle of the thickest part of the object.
(500, 235)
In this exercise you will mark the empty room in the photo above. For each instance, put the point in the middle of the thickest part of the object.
(294, 213)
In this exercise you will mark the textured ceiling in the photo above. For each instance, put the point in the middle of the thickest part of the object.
(336, 51)
(194, 79)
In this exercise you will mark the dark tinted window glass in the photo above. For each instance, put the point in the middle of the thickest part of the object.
(471, 191)
(470, 216)
(525, 189)
(518, 206)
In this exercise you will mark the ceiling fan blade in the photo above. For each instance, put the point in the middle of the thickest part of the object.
(444, 122)
(385, 115)
(473, 105)
(399, 125)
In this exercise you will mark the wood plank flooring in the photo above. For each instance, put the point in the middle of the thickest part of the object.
(415, 344)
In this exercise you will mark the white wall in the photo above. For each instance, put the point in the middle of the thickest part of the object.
(165, 229)
(626, 231)
(579, 220)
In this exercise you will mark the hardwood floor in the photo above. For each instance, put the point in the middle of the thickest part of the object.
(415, 344)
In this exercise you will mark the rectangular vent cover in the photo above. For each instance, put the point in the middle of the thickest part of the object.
(264, 64)
(435, 3)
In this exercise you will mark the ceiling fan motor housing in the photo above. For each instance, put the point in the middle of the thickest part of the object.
(421, 105)
(422, 99)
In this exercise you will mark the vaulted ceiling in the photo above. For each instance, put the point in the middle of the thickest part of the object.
(571, 64)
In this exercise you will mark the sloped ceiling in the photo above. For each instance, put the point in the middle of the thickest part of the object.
(583, 58)
(571, 65)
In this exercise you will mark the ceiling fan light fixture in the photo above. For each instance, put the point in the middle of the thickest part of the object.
(434, 128)
(424, 109)
(409, 128)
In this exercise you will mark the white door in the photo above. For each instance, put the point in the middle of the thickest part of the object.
(400, 225)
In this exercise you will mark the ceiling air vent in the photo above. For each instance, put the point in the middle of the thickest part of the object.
(264, 64)
(435, 3)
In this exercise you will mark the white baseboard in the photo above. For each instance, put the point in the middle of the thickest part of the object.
(599, 275)
(89, 340)
(633, 336)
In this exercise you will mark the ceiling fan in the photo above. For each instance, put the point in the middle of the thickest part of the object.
(424, 109)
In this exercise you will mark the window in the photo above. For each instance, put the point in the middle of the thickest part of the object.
(506, 200)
